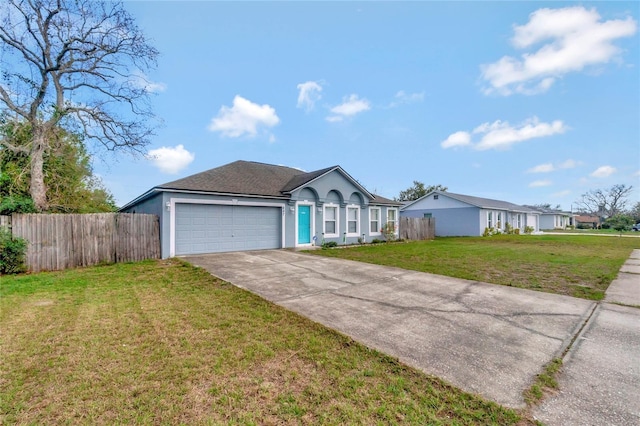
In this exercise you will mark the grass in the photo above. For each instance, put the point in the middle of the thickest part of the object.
(580, 266)
(609, 231)
(161, 342)
(545, 382)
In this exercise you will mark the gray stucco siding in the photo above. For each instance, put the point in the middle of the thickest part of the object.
(333, 181)
(151, 205)
(452, 222)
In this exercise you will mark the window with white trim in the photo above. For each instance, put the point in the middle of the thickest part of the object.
(374, 221)
(392, 219)
(499, 223)
(353, 222)
(519, 223)
(489, 219)
(330, 221)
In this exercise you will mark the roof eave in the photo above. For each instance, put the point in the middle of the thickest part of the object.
(140, 198)
(341, 170)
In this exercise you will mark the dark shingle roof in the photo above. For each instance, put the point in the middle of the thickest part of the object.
(377, 199)
(252, 178)
(239, 177)
(303, 178)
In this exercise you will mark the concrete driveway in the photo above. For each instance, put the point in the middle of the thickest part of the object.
(486, 339)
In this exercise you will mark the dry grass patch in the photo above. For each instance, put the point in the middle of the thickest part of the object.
(163, 342)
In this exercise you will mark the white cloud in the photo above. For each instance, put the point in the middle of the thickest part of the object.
(549, 167)
(334, 118)
(561, 193)
(402, 98)
(603, 171)
(457, 139)
(243, 118)
(141, 81)
(501, 135)
(569, 164)
(171, 160)
(309, 94)
(540, 183)
(542, 168)
(573, 38)
(350, 106)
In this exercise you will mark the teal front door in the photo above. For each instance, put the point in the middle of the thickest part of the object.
(304, 224)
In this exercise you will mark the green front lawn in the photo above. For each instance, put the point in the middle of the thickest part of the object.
(161, 342)
(581, 266)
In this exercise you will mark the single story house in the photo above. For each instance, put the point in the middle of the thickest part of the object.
(460, 215)
(554, 219)
(587, 221)
(247, 205)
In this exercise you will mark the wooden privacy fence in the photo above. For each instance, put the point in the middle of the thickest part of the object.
(417, 228)
(61, 241)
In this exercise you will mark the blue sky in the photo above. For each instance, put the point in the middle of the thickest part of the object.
(528, 102)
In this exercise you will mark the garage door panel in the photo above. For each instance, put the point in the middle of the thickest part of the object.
(207, 228)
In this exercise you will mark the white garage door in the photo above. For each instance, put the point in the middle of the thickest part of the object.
(206, 228)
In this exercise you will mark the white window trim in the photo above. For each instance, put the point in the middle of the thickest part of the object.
(396, 222)
(357, 208)
(313, 222)
(379, 226)
(489, 219)
(324, 219)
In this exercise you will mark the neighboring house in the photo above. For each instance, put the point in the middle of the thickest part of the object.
(554, 219)
(248, 206)
(464, 215)
(587, 222)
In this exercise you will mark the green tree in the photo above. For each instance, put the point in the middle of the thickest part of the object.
(635, 212)
(72, 187)
(418, 190)
(546, 206)
(74, 64)
(620, 222)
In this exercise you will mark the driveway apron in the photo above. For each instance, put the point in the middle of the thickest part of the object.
(600, 380)
(483, 338)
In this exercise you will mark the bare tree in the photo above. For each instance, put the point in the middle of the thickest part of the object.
(605, 203)
(78, 64)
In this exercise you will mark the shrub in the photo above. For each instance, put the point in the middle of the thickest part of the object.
(508, 229)
(13, 204)
(376, 241)
(389, 231)
(528, 229)
(329, 244)
(12, 253)
(488, 232)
